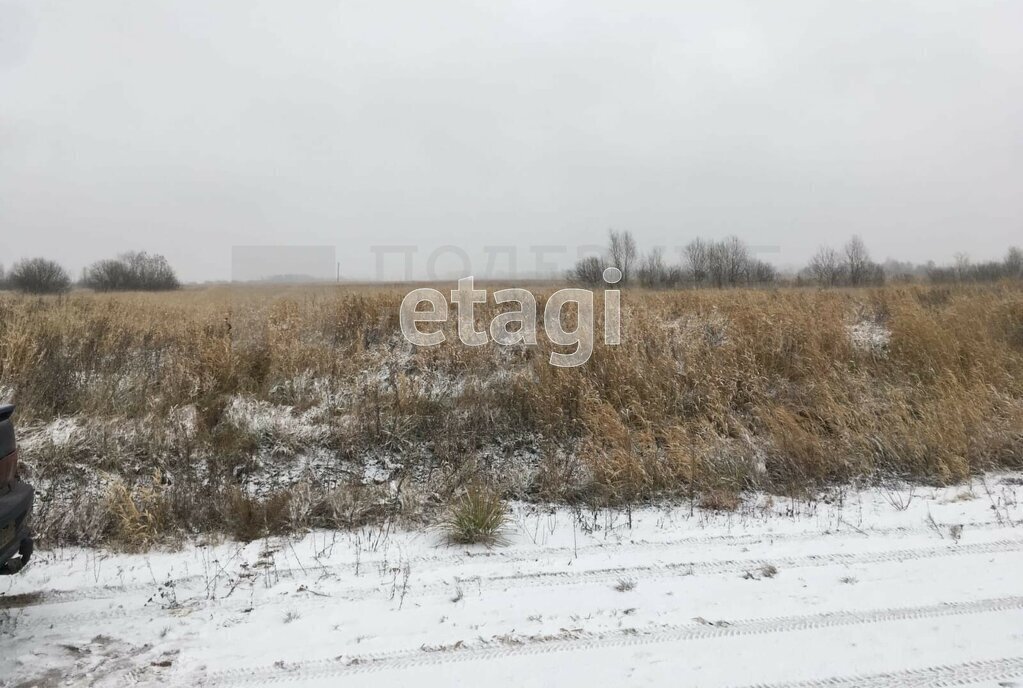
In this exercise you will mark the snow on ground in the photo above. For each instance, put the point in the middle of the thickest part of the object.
(870, 335)
(59, 432)
(879, 587)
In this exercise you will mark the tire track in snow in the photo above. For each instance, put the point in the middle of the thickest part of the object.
(414, 659)
(514, 581)
(945, 675)
(44, 597)
(736, 566)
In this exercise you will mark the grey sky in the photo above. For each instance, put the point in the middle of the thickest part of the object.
(188, 126)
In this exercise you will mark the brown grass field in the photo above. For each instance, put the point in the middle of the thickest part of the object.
(252, 410)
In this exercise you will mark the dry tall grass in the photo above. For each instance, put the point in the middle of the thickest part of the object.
(264, 410)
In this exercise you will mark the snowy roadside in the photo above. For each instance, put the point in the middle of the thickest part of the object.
(878, 587)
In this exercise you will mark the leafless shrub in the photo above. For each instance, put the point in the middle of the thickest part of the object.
(39, 276)
(588, 271)
(131, 272)
(897, 495)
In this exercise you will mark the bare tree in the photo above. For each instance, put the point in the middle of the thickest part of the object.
(857, 261)
(736, 260)
(728, 262)
(622, 252)
(39, 276)
(1014, 262)
(962, 266)
(826, 266)
(652, 271)
(717, 265)
(697, 257)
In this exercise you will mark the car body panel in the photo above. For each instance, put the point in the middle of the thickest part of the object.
(16, 498)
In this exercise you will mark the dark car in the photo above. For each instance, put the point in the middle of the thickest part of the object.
(15, 501)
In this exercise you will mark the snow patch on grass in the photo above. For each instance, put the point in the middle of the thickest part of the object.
(278, 423)
(869, 335)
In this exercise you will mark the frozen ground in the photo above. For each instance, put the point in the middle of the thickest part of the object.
(872, 588)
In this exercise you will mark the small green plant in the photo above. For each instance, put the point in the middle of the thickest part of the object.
(477, 517)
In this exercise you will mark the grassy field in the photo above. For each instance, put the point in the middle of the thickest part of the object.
(251, 410)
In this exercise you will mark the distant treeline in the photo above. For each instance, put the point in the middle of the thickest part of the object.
(702, 263)
(730, 263)
(137, 271)
(965, 271)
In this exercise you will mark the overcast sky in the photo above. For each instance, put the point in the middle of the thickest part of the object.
(186, 127)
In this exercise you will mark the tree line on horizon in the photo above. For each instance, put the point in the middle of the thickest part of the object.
(729, 262)
(135, 271)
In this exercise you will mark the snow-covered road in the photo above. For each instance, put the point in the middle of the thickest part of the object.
(879, 587)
